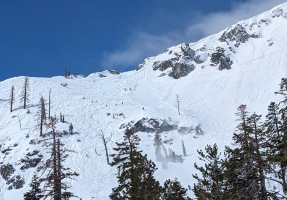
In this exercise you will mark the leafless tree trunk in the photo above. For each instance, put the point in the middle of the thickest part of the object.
(41, 115)
(183, 148)
(54, 186)
(105, 141)
(58, 182)
(57, 193)
(24, 97)
(12, 98)
(49, 103)
(178, 101)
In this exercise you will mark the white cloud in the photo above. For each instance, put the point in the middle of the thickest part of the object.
(139, 46)
(215, 22)
(142, 45)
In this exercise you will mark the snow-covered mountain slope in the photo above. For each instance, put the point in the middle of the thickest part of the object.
(240, 65)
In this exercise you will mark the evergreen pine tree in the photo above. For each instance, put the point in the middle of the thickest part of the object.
(135, 171)
(173, 190)
(258, 145)
(276, 131)
(277, 147)
(282, 149)
(272, 122)
(36, 192)
(245, 164)
(211, 183)
(283, 89)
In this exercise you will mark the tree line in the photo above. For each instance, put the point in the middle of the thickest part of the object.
(257, 157)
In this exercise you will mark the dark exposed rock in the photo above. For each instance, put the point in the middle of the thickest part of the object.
(153, 125)
(141, 127)
(6, 151)
(6, 171)
(102, 76)
(198, 130)
(162, 66)
(162, 74)
(187, 52)
(33, 153)
(139, 67)
(114, 72)
(220, 58)
(36, 141)
(180, 70)
(215, 57)
(231, 49)
(237, 34)
(255, 35)
(270, 42)
(225, 63)
(185, 49)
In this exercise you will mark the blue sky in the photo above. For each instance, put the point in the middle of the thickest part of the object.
(43, 38)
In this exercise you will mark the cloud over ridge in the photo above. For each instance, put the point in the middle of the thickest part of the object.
(142, 44)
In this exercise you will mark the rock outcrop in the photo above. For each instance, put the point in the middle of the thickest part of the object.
(221, 59)
(235, 34)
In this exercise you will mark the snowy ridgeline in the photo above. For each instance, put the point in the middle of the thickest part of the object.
(177, 102)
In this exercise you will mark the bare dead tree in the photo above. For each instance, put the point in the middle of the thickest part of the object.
(183, 148)
(54, 186)
(105, 141)
(50, 103)
(12, 98)
(24, 95)
(71, 129)
(41, 115)
(178, 102)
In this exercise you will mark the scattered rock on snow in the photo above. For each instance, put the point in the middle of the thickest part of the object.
(277, 12)
(16, 182)
(30, 162)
